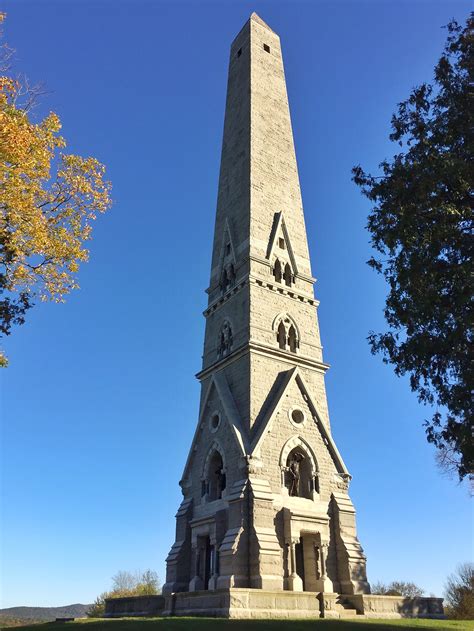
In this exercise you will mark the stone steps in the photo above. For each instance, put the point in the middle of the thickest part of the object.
(347, 613)
(345, 609)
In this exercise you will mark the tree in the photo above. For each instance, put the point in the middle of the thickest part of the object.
(123, 581)
(397, 588)
(459, 593)
(149, 583)
(125, 584)
(135, 583)
(421, 225)
(48, 200)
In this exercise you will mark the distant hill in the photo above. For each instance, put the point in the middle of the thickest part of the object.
(40, 614)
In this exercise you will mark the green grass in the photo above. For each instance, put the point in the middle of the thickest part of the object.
(216, 624)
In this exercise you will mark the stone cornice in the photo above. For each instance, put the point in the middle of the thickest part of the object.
(294, 359)
(289, 292)
(264, 349)
(240, 284)
(236, 354)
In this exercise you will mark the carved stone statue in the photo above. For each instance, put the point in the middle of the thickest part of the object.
(226, 340)
(220, 476)
(294, 473)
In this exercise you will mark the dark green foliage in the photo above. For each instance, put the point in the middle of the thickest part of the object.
(397, 588)
(460, 593)
(421, 224)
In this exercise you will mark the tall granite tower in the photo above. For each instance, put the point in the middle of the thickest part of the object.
(266, 526)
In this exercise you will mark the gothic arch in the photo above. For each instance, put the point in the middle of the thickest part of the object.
(286, 332)
(215, 446)
(298, 441)
(277, 270)
(283, 272)
(299, 470)
(213, 478)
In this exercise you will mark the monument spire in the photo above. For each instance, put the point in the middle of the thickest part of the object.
(257, 18)
(260, 250)
(258, 162)
(266, 504)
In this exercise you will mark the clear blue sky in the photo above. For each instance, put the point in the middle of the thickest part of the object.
(100, 401)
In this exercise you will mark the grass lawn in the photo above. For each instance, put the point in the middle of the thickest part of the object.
(216, 624)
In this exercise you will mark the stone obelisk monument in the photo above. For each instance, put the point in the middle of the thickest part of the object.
(266, 526)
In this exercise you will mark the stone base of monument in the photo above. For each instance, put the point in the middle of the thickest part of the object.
(258, 603)
(376, 606)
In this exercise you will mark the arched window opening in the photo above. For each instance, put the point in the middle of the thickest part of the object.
(292, 339)
(288, 276)
(281, 336)
(277, 271)
(286, 333)
(216, 477)
(225, 341)
(299, 479)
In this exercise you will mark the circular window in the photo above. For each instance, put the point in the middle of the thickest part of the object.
(215, 421)
(297, 416)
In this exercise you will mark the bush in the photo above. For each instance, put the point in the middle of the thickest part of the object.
(97, 609)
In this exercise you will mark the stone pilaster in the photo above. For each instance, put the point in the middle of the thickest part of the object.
(351, 561)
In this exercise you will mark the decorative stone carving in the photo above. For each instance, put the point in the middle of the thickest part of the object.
(343, 481)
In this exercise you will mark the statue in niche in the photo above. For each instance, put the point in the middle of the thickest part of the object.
(220, 477)
(230, 273)
(294, 473)
(317, 561)
(226, 340)
(227, 277)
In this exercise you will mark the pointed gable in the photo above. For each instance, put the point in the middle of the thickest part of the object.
(279, 245)
(227, 258)
(292, 378)
(227, 246)
(218, 392)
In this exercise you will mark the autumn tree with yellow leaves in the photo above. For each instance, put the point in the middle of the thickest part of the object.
(48, 200)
